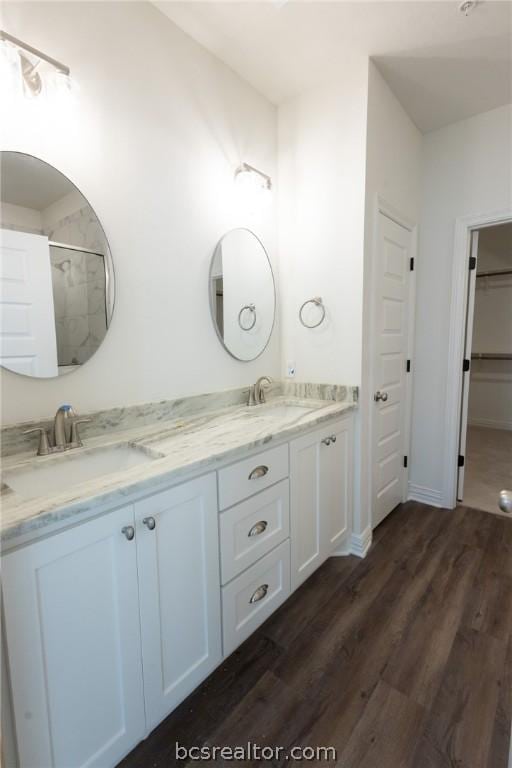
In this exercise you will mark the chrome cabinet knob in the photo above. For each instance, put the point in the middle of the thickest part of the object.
(129, 532)
(333, 438)
(326, 441)
(150, 523)
(380, 396)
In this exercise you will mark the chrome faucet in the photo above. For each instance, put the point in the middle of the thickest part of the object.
(65, 432)
(257, 392)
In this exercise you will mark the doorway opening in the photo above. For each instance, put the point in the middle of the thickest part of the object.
(485, 442)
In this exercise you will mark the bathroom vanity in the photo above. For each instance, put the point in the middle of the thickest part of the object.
(122, 593)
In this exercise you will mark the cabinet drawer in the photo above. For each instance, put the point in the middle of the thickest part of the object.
(251, 529)
(249, 476)
(249, 599)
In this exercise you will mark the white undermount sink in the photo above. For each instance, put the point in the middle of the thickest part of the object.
(63, 471)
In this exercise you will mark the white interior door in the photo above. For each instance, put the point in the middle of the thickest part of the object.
(391, 343)
(27, 319)
(466, 377)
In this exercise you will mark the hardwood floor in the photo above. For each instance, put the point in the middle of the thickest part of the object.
(401, 660)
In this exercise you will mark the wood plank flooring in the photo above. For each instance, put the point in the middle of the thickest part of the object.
(401, 660)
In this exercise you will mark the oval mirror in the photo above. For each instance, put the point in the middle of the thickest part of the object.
(56, 272)
(242, 294)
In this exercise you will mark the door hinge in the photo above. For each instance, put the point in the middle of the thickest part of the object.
(460, 462)
(408, 366)
(411, 264)
(472, 262)
(466, 365)
(405, 462)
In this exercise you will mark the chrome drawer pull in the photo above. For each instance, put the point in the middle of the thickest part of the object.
(260, 471)
(258, 528)
(259, 594)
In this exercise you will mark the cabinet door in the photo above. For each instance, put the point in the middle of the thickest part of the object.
(179, 592)
(73, 636)
(320, 496)
(336, 486)
(305, 531)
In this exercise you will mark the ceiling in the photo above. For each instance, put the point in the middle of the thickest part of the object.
(442, 65)
(29, 182)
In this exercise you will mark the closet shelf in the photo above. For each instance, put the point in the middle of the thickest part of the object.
(496, 273)
(491, 355)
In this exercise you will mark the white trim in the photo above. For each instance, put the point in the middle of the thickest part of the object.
(356, 544)
(463, 227)
(425, 495)
(490, 424)
(382, 206)
(360, 543)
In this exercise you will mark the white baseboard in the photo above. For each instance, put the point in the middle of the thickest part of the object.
(360, 543)
(490, 424)
(425, 495)
(355, 544)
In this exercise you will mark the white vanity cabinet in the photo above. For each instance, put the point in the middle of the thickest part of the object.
(179, 587)
(73, 634)
(111, 624)
(320, 496)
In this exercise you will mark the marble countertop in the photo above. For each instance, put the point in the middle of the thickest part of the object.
(179, 448)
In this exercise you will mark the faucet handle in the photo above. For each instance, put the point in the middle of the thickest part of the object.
(75, 437)
(44, 446)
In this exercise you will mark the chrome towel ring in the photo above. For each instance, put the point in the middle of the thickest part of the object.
(250, 308)
(317, 301)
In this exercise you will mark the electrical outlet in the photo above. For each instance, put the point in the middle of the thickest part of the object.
(290, 368)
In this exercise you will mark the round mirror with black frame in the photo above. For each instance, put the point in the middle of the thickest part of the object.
(57, 277)
(242, 294)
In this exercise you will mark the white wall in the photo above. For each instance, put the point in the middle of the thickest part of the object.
(466, 171)
(322, 143)
(157, 130)
(393, 169)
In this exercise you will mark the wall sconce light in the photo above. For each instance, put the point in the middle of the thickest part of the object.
(23, 62)
(247, 175)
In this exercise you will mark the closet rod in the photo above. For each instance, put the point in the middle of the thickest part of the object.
(491, 356)
(496, 273)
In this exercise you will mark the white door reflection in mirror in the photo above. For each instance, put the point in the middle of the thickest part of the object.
(27, 324)
(242, 294)
(56, 308)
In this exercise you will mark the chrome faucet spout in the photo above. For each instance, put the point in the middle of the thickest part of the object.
(259, 391)
(62, 426)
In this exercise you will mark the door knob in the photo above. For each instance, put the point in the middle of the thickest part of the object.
(380, 396)
(129, 532)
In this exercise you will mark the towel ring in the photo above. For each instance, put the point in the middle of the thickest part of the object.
(250, 308)
(317, 301)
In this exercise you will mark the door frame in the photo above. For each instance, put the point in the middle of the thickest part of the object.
(382, 206)
(464, 226)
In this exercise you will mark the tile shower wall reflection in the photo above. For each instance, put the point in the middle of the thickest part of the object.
(79, 296)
